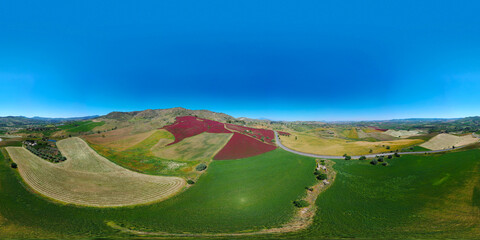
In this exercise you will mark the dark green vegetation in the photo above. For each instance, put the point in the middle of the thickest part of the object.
(46, 150)
(246, 194)
(76, 127)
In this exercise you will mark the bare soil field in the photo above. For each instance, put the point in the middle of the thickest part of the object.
(119, 139)
(444, 140)
(86, 178)
(403, 133)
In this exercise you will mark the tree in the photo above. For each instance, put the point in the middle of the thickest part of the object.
(322, 176)
(387, 147)
(362, 158)
(389, 157)
(13, 165)
(189, 181)
(348, 157)
(380, 159)
(374, 162)
(201, 167)
(397, 155)
(385, 164)
(370, 151)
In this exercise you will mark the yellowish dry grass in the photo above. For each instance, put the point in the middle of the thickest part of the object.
(120, 139)
(87, 178)
(335, 146)
(442, 141)
(199, 147)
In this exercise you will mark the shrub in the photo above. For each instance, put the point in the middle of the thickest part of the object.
(322, 176)
(362, 158)
(397, 155)
(189, 181)
(389, 157)
(374, 162)
(348, 157)
(387, 147)
(13, 165)
(380, 159)
(201, 167)
(301, 203)
(385, 164)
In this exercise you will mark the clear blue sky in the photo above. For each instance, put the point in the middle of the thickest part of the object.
(284, 60)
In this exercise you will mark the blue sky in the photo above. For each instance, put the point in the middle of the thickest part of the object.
(283, 60)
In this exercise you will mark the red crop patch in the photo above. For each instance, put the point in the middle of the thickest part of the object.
(242, 146)
(262, 134)
(189, 126)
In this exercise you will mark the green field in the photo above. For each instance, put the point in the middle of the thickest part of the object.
(434, 196)
(83, 126)
(236, 195)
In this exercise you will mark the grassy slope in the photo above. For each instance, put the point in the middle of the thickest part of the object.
(233, 195)
(83, 126)
(199, 147)
(139, 157)
(336, 146)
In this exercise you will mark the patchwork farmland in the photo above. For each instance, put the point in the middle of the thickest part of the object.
(259, 192)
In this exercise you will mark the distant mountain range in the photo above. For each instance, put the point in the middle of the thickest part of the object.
(20, 121)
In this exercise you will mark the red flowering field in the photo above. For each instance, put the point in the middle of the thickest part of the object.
(245, 142)
(189, 126)
(268, 135)
(242, 146)
(283, 133)
(378, 129)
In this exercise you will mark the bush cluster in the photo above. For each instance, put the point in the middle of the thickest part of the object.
(201, 167)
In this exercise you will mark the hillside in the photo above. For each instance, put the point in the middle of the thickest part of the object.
(149, 119)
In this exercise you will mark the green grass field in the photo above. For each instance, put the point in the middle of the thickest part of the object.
(83, 126)
(235, 195)
(426, 197)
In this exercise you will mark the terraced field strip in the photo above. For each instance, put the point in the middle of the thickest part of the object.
(89, 179)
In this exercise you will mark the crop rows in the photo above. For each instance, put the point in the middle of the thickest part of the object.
(77, 183)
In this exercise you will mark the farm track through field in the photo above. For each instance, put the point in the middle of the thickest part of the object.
(302, 218)
(358, 156)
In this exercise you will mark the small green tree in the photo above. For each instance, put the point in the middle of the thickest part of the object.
(322, 176)
(374, 162)
(13, 165)
(370, 151)
(189, 181)
(348, 157)
(385, 164)
(362, 158)
(201, 167)
(387, 147)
